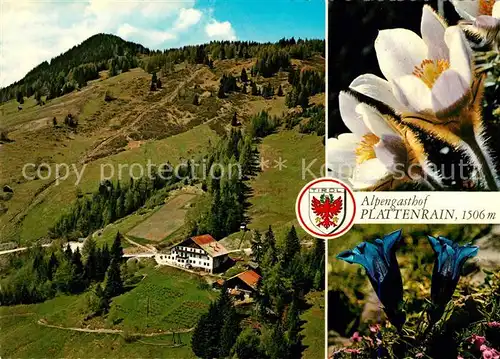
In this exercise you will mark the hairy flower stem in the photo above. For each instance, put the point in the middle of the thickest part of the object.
(486, 170)
(431, 183)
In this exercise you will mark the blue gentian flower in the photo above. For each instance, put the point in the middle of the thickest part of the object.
(379, 260)
(450, 258)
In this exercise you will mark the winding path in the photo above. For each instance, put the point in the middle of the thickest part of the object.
(111, 331)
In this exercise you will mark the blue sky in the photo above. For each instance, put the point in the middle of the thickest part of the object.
(273, 19)
(35, 31)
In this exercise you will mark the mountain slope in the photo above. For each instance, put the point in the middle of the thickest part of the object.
(79, 64)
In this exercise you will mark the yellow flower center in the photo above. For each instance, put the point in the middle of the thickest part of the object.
(430, 70)
(486, 7)
(365, 150)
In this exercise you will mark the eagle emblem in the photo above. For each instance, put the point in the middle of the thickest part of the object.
(326, 208)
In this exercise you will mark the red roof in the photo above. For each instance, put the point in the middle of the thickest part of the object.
(210, 245)
(204, 239)
(250, 277)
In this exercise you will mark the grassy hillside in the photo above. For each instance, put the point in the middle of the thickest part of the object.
(175, 303)
(137, 125)
(121, 122)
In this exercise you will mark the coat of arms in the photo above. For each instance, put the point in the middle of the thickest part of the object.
(327, 208)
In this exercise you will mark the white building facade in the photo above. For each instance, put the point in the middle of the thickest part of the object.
(200, 252)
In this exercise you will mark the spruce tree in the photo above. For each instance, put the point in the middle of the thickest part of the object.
(293, 327)
(153, 82)
(103, 300)
(247, 157)
(278, 346)
(116, 248)
(76, 259)
(303, 98)
(64, 277)
(269, 239)
(105, 258)
(200, 337)
(196, 100)
(221, 93)
(292, 245)
(229, 332)
(234, 120)
(20, 97)
(205, 341)
(159, 83)
(38, 97)
(52, 265)
(114, 283)
(248, 345)
(280, 91)
(68, 253)
(90, 268)
(244, 76)
(255, 90)
(257, 246)
(125, 66)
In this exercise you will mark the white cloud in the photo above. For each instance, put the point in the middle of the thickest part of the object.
(220, 30)
(33, 32)
(152, 37)
(187, 18)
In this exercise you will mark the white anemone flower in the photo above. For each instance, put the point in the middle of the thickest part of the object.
(482, 20)
(474, 9)
(374, 154)
(427, 74)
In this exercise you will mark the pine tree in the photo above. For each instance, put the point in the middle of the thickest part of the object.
(248, 345)
(113, 69)
(221, 93)
(129, 204)
(68, 253)
(90, 268)
(292, 245)
(244, 76)
(116, 248)
(76, 259)
(64, 277)
(20, 97)
(257, 246)
(99, 274)
(200, 337)
(52, 265)
(114, 283)
(255, 90)
(153, 82)
(206, 335)
(103, 300)
(280, 91)
(303, 98)
(229, 332)
(292, 324)
(247, 157)
(278, 346)
(38, 97)
(125, 66)
(269, 239)
(105, 258)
